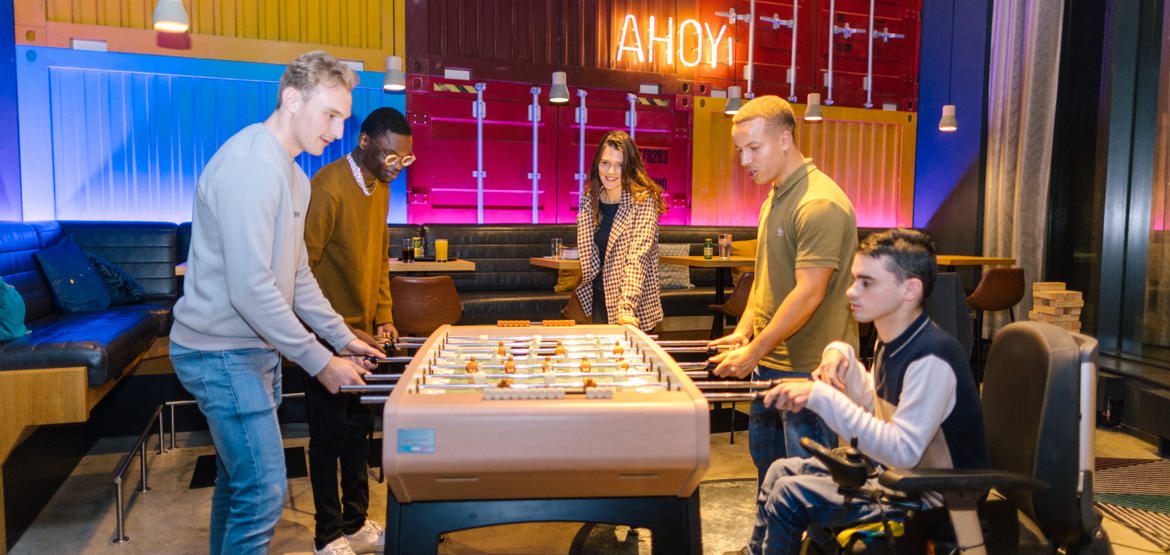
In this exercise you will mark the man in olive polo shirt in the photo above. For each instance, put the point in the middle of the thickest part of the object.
(807, 238)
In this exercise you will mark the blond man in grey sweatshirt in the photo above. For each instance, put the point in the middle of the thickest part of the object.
(247, 291)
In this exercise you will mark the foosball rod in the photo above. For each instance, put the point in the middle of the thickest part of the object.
(374, 399)
(734, 397)
(737, 384)
(390, 360)
(700, 349)
(381, 377)
(367, 388)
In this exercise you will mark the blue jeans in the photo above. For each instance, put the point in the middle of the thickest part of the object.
(798, 495)
(238, 391)
(774, 434)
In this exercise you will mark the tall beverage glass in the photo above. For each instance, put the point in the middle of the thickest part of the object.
(408, 250)
(724, 246)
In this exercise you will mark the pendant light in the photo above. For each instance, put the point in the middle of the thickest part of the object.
(734, 100)
(559, 92)
(812, 112)
(948, 123)
(171, 17)
(395, 79)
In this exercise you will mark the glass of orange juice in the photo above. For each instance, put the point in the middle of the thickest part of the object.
(440, 250)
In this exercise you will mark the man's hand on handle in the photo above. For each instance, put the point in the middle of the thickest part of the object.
(349, 368)
(737, 363)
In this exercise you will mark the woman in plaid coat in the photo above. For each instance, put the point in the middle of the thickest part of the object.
(617, 237)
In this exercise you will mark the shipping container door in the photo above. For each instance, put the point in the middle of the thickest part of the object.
(895, 60)
(442, 185)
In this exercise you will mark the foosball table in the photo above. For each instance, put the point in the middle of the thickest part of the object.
(495, 425)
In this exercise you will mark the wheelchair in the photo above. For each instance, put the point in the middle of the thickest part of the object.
(1038, 400)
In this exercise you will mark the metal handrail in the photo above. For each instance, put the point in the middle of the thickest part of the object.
(138, 448)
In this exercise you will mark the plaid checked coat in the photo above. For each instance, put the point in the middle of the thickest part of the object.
(630, 269)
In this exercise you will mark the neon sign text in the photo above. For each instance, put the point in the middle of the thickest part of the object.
(692, 37)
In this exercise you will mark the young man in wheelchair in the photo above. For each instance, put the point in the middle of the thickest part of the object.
(917, 408)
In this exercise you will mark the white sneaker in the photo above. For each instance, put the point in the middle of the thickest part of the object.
(370, 539)
(339, 546)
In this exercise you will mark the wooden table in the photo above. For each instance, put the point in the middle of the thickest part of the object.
(454, 265)
(555, 263)
(949, 261)
(722, 267)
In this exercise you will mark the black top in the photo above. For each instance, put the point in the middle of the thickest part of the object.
(606, 214)
(963, 427)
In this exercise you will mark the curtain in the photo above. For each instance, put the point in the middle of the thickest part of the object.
(1156, 318)
(1024, 66)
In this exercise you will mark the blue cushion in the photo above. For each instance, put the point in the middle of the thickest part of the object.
(75, 284)
(122, 286)
(11, 313)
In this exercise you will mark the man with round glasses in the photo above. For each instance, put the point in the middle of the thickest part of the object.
(348, 245)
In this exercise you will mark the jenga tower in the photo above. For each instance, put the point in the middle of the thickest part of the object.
(1052, 303)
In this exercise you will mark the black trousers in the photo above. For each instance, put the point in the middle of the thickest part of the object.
(339, 430)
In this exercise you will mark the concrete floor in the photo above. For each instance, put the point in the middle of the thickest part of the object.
(171, 518)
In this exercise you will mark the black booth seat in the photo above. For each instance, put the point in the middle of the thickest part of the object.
(105, 342)
(506, 286)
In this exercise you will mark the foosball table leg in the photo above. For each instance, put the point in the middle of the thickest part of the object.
(415, 528)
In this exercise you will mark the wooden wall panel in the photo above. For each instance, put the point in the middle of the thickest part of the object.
(869, 153)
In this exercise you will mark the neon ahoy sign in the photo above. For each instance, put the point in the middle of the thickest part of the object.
(690, 32)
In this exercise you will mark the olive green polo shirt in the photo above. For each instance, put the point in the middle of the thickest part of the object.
(806, 222)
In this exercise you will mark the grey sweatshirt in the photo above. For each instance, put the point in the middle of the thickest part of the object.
(248, 283)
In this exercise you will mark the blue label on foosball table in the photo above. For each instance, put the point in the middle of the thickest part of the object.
(416, 440)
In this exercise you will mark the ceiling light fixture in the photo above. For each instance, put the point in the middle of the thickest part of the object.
(171, 17)
(395, 79)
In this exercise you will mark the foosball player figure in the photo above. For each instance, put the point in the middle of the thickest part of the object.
(586, 366)
(618, 349)
(472, 366)
(501, 349)
(546, 366)
(510, 366)
(560, 349)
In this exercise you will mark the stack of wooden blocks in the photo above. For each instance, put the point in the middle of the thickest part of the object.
(1052, 303)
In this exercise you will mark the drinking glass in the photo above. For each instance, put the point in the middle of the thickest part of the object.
(724, 246)
(557, 245)
(440, 250)
(407, 249)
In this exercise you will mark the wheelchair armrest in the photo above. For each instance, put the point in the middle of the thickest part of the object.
(956, 480)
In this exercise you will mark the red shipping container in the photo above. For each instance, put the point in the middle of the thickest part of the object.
(442, 188)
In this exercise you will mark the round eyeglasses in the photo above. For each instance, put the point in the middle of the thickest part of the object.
(396, 160)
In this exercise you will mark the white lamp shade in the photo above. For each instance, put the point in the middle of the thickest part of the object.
(395, 79)
(812, 111)
(171, 17)
(948, 123)
(559, 92)
(734, 100)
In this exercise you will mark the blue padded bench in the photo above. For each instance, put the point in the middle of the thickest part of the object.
(107, 342)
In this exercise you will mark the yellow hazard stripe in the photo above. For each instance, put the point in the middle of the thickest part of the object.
(653, 101)
(453, 87)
